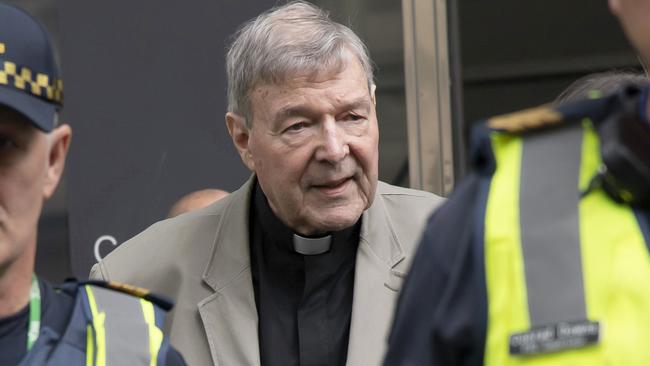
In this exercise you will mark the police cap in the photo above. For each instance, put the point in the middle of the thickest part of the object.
(29, 77)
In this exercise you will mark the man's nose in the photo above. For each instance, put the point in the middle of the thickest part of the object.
(333, 143)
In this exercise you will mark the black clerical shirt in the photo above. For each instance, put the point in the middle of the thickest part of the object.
(304, 302)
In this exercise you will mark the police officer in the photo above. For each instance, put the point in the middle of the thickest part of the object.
(540, 257)
(92, 323)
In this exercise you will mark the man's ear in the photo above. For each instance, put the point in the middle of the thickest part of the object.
(240, 135)
(58, 150)
(373, 88)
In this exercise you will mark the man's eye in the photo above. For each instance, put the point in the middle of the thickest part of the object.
(352, 117)
(296, 127)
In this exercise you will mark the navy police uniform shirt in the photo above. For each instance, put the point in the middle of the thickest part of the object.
(57, 304)
(441, 315)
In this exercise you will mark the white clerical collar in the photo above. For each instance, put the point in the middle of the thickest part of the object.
(311, 246)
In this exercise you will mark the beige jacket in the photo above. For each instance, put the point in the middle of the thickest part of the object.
(201, 260)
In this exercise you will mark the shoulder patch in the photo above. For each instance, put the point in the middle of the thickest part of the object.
(128, 289)
(527, 119)
(160, 300)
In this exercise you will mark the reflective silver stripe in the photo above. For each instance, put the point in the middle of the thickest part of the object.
(127, 334)
(550, 231)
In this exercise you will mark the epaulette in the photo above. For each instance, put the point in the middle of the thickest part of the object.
(162, 301)
(526, 120)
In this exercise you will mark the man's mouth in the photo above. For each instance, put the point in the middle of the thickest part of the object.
(333, 187)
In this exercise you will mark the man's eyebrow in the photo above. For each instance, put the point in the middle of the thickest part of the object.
(293, 111)
(361, 102)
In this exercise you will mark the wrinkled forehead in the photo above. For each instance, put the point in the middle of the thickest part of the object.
(342, 79)
(289, 68)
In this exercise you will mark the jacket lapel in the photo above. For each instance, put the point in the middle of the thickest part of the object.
(375, 286)
(229, 315)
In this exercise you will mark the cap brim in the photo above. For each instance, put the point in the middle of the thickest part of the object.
(40, 112)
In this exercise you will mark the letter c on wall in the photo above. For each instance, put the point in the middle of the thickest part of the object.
(99, 242)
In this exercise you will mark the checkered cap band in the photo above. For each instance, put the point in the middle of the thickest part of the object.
(26, 80)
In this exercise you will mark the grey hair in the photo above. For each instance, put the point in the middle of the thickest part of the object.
(297, 37)
(602, 83)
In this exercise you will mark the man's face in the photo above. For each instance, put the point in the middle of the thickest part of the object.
(635, 18)
(313, 144)
(26, 179)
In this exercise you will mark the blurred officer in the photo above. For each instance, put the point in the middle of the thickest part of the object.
(540, 257)
(77, 323)
(196, 200)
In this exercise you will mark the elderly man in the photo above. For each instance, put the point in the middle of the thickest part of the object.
(302, 264)
(541, 255)
(75, 323)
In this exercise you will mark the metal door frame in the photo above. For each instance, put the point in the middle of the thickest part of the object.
(428, 96)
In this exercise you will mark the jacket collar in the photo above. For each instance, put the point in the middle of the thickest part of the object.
(230, 257)
(378, 233)
(376, 283)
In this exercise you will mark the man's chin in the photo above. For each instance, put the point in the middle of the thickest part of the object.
(334, 222)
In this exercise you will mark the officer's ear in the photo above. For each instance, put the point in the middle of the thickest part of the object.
(240, 135)
(58, 150)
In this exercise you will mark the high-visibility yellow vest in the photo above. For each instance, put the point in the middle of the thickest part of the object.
(567, 276)
(106, 327)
